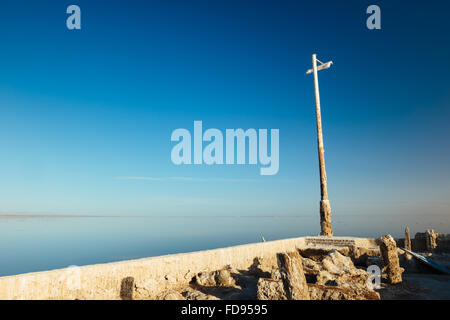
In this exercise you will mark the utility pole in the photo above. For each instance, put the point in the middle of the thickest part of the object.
(325, 209)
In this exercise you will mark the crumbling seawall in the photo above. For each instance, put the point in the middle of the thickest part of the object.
(148, 276)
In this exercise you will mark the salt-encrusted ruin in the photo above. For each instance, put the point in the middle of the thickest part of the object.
(318, 268)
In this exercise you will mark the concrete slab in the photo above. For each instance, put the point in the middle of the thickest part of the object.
(322, 241)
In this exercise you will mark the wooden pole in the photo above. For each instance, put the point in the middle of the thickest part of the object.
(325, 209)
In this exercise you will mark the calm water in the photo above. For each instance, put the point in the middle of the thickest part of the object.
(36, 244)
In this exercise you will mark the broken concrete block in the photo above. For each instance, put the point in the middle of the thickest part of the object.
(310, 266)
(292, 276)
(220, 277)
(275, 274)
(321, 292)
(270, 289)
(337, 263)
(324, 278)
(205, 279)
(339, 270)
(390, 259)
(223, 278)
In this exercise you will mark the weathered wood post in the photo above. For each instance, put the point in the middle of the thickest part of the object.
(325, 209)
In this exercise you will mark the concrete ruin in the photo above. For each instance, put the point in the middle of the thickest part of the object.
(292, 276)
(427, 241)
(153, 278)
(389, 255)
(319, 268)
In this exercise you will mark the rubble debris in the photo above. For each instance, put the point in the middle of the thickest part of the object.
(326, 273)
(223, 278)
(339, 270)
(205, 279)
(270, 289)
(310, 266)
(292, 276)
(339, 279)
(359, 255)
(390, 259)
(220, 277)
(322, 292)
(335, 278)
(275, 274)
(337, 263)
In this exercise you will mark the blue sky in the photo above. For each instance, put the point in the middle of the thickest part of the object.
(81, 109)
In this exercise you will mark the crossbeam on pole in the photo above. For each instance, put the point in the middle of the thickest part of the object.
(321, 67)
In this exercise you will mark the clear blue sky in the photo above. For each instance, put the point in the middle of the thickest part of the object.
(80, 109)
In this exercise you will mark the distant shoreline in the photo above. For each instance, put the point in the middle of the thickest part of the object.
(37, 215)
(19, 216)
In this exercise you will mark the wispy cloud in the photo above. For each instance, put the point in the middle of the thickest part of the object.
(187, 179)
